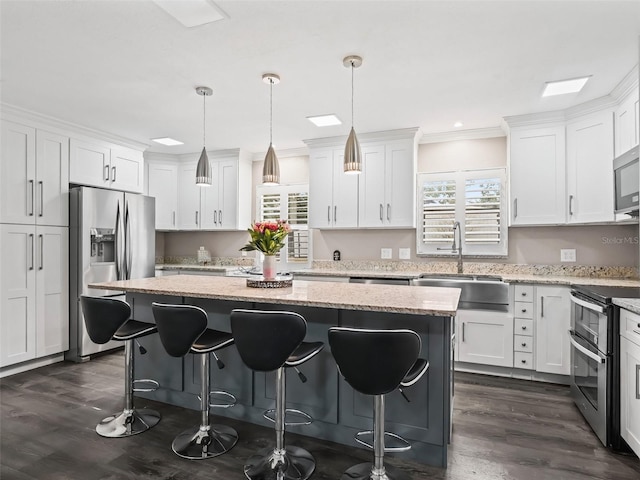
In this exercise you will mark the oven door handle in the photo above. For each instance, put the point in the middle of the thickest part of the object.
(585, 304)
(587, 352)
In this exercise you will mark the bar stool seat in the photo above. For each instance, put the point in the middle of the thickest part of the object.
(109, 319)
(183, 329)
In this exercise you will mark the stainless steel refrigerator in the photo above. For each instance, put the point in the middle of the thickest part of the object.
(111, 237)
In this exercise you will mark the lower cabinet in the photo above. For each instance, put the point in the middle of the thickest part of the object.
(630, 379)
(485, 337)
(34, 292)
(553, 320)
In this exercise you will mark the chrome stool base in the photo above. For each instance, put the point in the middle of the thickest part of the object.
(292, 463)
(198, 443)
(363, 471)
(127, 423)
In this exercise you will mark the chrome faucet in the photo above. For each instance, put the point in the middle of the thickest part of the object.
(456, 248)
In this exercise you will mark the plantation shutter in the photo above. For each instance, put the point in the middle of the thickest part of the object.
(438, 211)
(482, 217)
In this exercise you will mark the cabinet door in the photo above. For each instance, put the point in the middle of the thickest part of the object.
(163, 185)
(321, 189)
(17, 174)
(485, 337)
(52, 290)
(52, 187)
(400, 185)
(188, 198)
(89, 164)
(345, 194)
(630, 393)
(17, 294)
(228, 194)
(373, 204)
(209, 201)
(553, 320)
(537, 175)
(127, 170)
(626, 124)
(590, 169)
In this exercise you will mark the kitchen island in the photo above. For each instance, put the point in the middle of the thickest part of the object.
(337, 410)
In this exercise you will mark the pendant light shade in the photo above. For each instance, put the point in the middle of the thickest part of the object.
(271, 167)
(352, 153)
(203, 170)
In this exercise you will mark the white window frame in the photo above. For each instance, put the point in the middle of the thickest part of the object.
(499, 249)
(284, 191)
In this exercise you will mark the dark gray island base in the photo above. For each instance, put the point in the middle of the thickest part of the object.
(338, 411)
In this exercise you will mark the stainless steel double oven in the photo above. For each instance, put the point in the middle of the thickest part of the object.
(595, 365)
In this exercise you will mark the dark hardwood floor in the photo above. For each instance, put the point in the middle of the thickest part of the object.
(503, 429)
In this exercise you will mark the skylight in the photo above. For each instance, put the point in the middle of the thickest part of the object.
(167, 141)
(562, 87)
(325, 120)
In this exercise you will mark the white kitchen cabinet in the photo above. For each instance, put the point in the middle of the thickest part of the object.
(552, 323)
(387, 185)
(333, 194)
(162, 184)
(100, 164)
(537, 175)
(630, 379)
(626, 123)
(34, 181)
(485, 337)
(226, 204)
(34, 296)
(523, 331)
(590, 169)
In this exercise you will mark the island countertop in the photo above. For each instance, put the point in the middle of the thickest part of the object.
(377, 298)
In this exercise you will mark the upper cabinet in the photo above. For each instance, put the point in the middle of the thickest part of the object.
(162, 182)
(382, 196)
(537, 175)
(626, 123)
(590, 169)
(34, 182)
(100, 164)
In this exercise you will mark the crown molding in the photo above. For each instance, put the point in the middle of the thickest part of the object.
(626, 85)
(469, 134)
(39, 120)
(161, 157)
(529, 119)
(286, 153)
(387, 135)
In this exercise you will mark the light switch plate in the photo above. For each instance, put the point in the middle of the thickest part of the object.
(385, 253)
(404, 253)
(568, 255)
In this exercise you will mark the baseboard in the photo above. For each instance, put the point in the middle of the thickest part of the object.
(518, 373)
(31, 364)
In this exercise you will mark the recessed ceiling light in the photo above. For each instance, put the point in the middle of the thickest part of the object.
(325, 120)
(191, 13)
(458, 124)
(561, 87)
(167, 141)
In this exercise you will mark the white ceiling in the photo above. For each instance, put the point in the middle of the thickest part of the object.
(129, 69)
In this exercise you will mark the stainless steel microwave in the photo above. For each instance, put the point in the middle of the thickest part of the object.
(627, 181)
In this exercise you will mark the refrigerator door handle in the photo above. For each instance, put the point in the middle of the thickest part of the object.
(127, 244)
(118, 245)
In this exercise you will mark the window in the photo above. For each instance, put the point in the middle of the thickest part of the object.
(476, 199)
(291, 203)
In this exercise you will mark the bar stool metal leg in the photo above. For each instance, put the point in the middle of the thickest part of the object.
(130, 421)
(282, 462)
(204, 440)
(378, 470)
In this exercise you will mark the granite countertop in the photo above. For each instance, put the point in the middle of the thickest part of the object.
(631, 304)
(378, 298)
(197, 267)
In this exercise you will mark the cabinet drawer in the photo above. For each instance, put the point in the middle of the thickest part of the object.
(523, 310)
(524, 293)
(524, 327)
(630, 326)
(522, 343)
(523, 360)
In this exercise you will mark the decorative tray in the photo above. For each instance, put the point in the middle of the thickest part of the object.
(262, 283)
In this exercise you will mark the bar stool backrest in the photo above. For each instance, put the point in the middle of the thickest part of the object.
(103, 316)
(374, 362)
(265, 339)
(179, 326)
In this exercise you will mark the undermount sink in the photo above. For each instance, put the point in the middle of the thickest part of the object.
(477, 291)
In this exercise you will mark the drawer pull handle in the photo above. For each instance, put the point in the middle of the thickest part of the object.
(524, 327)
(524, 344)
(524, 294)
(523, 361)
(524, 310)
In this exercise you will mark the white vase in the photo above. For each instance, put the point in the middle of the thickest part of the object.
(269, 267)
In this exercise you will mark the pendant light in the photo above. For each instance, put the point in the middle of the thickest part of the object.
(203, 170)
(352, 153)
(270, 168)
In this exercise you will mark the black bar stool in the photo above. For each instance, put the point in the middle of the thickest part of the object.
(266, 341)
(108, 319)
(183, 329)
(377, 362)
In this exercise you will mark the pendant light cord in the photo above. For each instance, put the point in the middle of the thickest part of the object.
(351, 93)
(270, 111)
(204, 120)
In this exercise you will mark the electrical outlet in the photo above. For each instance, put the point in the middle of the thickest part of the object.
(404, 253)
(568, 255)
(385, 253)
